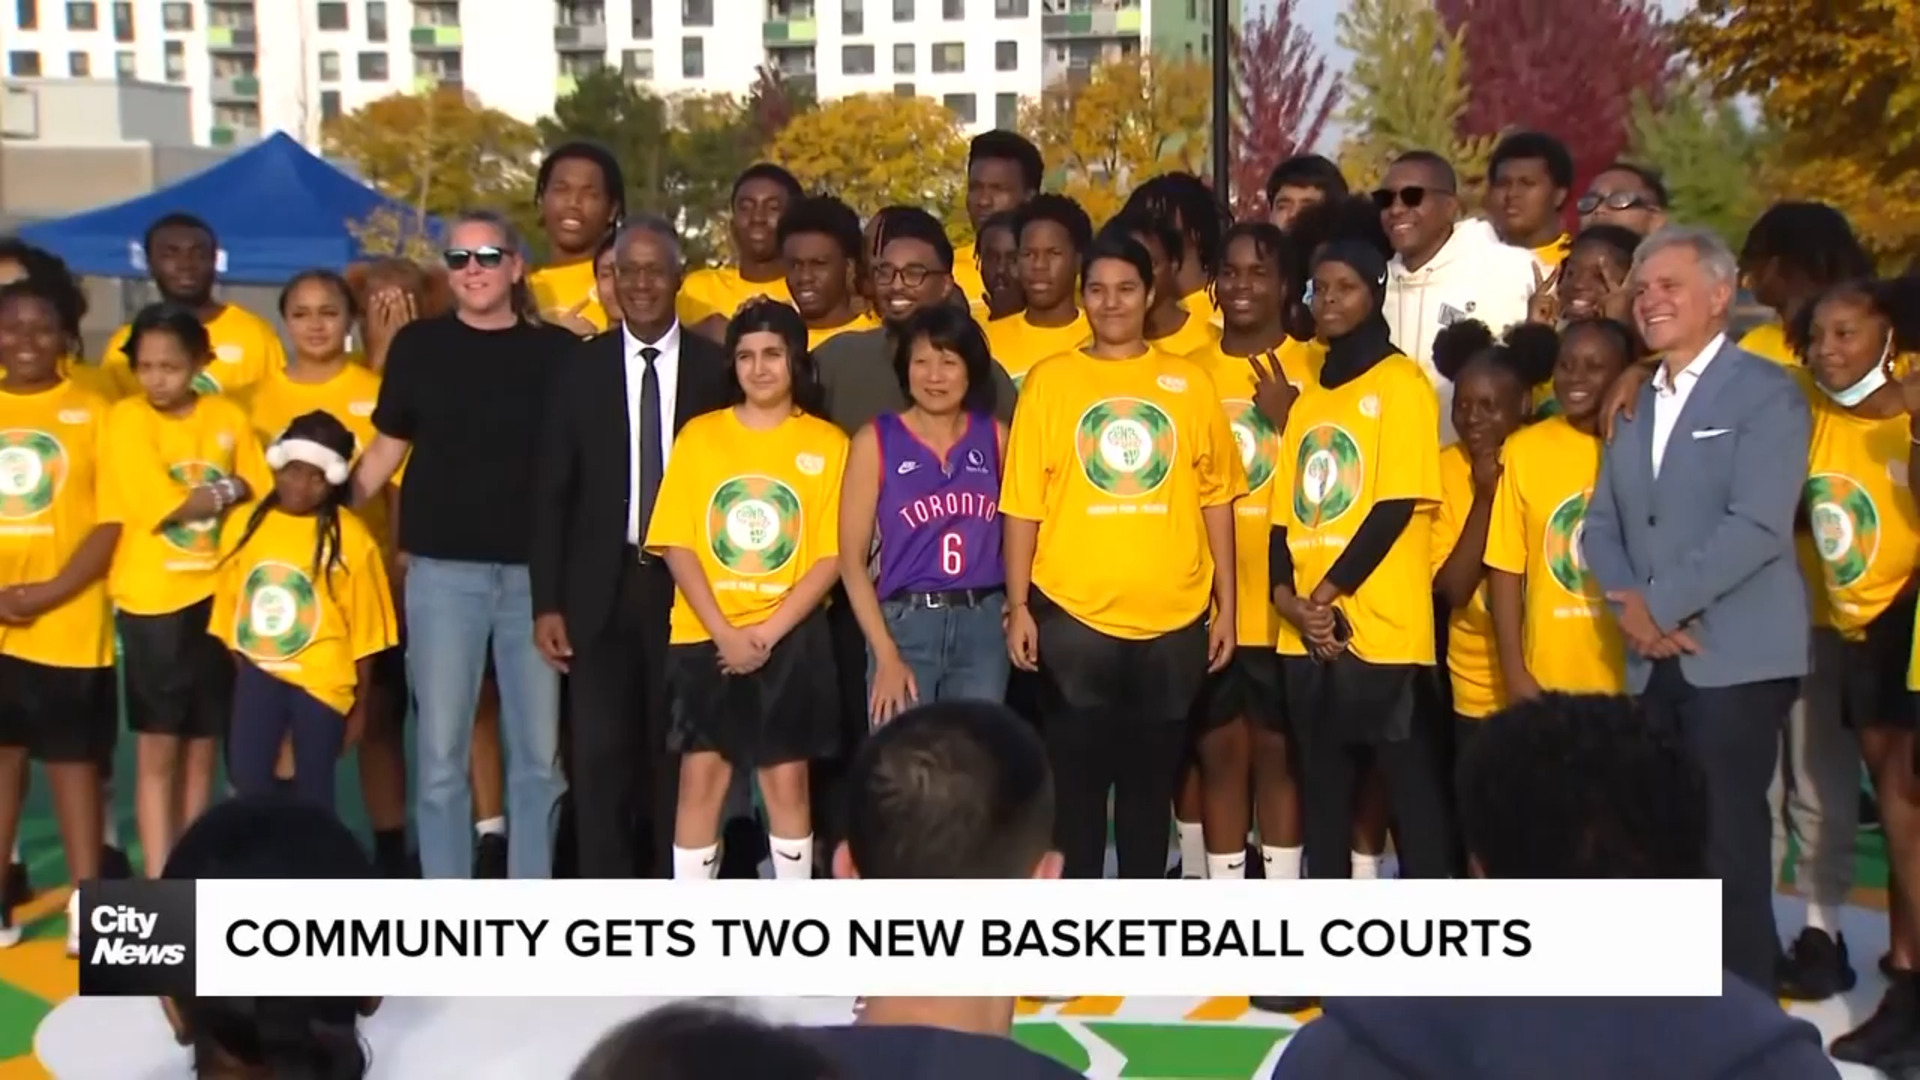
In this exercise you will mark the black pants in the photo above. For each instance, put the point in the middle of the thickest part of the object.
(1735, 733)
(624, 783)
(826, 778)
(1345, 712)
(1114, 717)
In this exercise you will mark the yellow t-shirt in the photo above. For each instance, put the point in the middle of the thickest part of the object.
(1551, 255)
(720, 291)
(556, 289)
(967, 279)
(1866, 532)
(1017, 344)
(1115, 459)
(91, 376)
(1571, 642)
(1805, 550)
(49, 476)
(1770, 340)
(1473, 664)
(1200, 302)
(1258, 442)
(303, 626)
(277, 401)
(817, 337)
(1374, 439)
(759, 508)
(245, 347)
(1194, 335)
(149, 464)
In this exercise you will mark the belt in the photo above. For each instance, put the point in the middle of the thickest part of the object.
(950, 598)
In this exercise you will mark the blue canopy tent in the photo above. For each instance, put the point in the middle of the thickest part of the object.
(275, 208)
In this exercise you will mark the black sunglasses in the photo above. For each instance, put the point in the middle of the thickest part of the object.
(1613, 200)
(487, 257)
(1410, 196)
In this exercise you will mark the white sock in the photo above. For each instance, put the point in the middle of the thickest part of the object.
(1193, 848)
(1227, 867)
(696, 863)
(1822, 917)
(792, 859)
(1365, 867)
(1283, 863)
(493, 826)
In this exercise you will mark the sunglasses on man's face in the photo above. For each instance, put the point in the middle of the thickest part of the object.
(1410, 196)
(487, 257)
(1613, 200)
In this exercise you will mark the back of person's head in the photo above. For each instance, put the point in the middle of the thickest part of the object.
(271, 838)
(1354, 218)
(701, 1042)
(953, 789)
(1582, 786)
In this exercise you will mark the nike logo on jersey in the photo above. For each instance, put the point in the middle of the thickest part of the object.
(907, 467)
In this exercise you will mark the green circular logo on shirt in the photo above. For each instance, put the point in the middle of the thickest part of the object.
(1561, 545)
(753, 524)
(1257, 440)
(33, 465)
(279, 614)
(1126, 446)
(195, 537)
(1846, 526)
(1327, 475)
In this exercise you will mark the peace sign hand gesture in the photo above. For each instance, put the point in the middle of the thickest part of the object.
(1544, 305)
(1273, 395)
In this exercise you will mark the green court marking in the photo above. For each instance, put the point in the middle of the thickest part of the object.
(1055, 1042)
(1190, 1051)
(20, 1014)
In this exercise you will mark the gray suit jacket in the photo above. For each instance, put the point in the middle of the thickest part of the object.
(1710, 542)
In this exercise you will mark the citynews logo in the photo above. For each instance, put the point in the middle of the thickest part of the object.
(136, 938)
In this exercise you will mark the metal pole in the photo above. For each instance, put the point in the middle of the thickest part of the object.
(1224, 36)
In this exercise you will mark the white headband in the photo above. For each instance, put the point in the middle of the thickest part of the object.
(320, 457)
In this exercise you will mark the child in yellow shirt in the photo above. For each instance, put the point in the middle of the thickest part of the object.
(304, 604)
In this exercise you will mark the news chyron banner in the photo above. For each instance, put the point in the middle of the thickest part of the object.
(908, 938)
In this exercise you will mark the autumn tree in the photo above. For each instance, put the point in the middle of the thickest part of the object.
(1708, 156)
(606, 107)
(1286, 95)
(1129, 120)
(439, 152)
(711, 143)
(1521, 60)
(1407, 90)
(876, 150)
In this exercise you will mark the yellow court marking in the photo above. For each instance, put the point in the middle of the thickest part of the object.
(1091, 1006)
(1220, 1008)
(1028, 1006)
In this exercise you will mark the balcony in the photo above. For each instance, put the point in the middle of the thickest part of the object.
(428, 82)
(435, 39)
(1091, 24)
(230, 39)
(235, 88)
(580, 38)
(789, 33)
(224, 135)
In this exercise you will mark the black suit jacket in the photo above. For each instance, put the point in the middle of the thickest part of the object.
(582, 485)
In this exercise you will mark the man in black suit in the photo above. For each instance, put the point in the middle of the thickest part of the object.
(601, 603)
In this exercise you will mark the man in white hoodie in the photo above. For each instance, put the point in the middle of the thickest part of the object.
(1445, 270)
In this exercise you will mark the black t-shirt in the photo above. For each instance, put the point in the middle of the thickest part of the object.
(469, 401)
(899, 1052)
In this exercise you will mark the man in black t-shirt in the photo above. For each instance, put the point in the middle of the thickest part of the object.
(460, 405)
(955, 789)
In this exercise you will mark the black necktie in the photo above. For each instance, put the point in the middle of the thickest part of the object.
(651, 458)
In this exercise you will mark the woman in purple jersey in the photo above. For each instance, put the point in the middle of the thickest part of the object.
(925, 483)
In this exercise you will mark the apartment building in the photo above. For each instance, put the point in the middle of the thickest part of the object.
(255, 66)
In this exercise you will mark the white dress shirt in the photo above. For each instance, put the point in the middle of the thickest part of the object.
(666, 369)
(1670, 396)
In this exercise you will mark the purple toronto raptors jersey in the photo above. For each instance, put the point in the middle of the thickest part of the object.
(939, 525)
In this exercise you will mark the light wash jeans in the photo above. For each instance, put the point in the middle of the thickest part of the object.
(453, 608)
(955, 653)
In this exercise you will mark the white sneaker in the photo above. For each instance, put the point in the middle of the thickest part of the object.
(73, 923)
(9, 933)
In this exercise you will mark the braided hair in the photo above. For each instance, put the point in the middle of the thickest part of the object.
(326, 431)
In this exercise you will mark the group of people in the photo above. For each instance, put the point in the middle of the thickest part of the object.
(1257, 522)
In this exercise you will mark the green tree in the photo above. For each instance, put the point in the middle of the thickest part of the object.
(606, 107)
(1708, 157)
(711, 143)
(1407, 90)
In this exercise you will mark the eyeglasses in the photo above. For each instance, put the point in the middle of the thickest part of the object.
(1613, 200)
(911, 276)
(1410, 196)
(487, 257)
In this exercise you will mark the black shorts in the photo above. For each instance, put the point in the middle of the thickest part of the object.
(1153, 679)
(179, 678)
(784, 712)
(1249, 687)
(1353, 702)
(58, 715)
(390, 676)
(1873, 671)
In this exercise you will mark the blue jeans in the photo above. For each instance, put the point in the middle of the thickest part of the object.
(954, 652)
(453, 609)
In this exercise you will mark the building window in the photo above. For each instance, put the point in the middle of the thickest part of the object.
(902, 10)
(329, 66)
(124, 64)
(693, 57)
(24, 64)
(176, 61)
(903, 59)
(637, 64)
(83, 17)
(1006, 111)
(853, 18)
(696, 13)
(643, 20)
(576, 64)
(26, 14)
(176, 16)
(856, 59)
(903, 89)
(79, 65)
(440, 67)
(329, 105)
(377, 22)
(960, 105)
(1009, 9)
(333, 16)
(953, 10)
(950, 58)
(123, 22)
(1006, 55)
(373, 67)
(436, 14)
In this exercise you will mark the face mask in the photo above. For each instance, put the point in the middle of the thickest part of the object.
(1872, 381)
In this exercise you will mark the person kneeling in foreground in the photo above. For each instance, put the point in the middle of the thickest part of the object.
(954, 789)
(701, 1042)
(1634, 808)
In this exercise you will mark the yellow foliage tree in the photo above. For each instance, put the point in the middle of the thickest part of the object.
(1407, 91)
(439, 152)
(391, 232)
(876, 150)
(1130, 120)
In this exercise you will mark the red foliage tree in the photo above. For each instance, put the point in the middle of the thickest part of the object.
(1566, 67)
(1286, 93)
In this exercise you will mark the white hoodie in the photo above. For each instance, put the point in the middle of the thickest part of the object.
(1473, 276)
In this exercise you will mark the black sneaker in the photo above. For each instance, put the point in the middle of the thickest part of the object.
(17, 889)
(114, 864)
(1891, 1026)
(1815, 968)
(490, 856)
(1287, 1006)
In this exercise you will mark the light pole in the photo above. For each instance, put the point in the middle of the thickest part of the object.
(1224, 36)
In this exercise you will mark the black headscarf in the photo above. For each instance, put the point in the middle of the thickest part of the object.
(1355, 353)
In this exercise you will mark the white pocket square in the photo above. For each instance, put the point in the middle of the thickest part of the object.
(1711, 433)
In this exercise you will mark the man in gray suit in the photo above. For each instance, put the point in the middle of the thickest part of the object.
(1690, 533)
